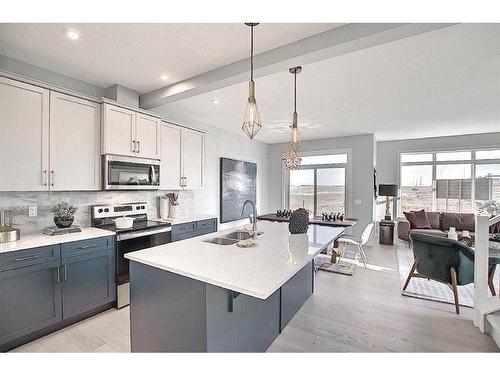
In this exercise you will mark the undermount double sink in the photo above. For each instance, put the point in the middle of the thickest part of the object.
(231, 238)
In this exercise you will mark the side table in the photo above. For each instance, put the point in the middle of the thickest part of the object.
(386, 232)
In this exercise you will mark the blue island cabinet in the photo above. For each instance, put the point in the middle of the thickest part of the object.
(44, 289)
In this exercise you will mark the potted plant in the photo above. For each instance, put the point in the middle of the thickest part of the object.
(63, 214)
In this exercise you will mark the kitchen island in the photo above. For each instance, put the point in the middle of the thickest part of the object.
(198, 296)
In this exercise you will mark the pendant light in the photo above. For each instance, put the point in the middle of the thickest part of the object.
(291, 159)
(251, 122)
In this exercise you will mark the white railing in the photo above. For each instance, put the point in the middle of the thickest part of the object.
(483, 303)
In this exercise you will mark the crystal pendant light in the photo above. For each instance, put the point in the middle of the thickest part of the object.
(291, 159)
(251, 122)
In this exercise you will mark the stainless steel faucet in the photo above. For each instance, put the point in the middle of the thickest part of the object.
(254, 222)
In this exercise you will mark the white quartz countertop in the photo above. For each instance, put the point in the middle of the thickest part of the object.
(188, 218)
(29, 241)
(256, 271)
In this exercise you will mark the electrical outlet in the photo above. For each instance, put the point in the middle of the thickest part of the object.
(32, 211)
(357, 201)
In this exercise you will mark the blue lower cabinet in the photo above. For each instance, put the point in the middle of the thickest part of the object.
(30, 300)
(193, 229)
(36, 299)
(88, 282)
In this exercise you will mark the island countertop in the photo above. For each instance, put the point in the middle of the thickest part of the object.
(258, 271)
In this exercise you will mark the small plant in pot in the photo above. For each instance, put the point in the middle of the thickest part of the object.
(63, 214)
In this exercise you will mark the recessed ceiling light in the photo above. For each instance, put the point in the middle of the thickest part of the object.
(72, 34)
(163, 77)
(215, 101)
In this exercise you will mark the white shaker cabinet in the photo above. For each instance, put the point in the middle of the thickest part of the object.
(193, 155)
(130, 133)
(118, 130)
(171, 157)
(24, 136)
(147, 136)
(74, 143)
(182, 158)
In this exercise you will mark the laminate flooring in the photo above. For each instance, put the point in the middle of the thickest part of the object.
(361, 313)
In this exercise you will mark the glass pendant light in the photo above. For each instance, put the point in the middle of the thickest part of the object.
(251, 122)
(291, 159)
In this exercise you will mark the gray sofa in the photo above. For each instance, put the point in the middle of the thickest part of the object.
(440, 223)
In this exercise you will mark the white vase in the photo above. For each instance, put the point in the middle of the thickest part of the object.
(173, 212)
(452, 233)
(164, 207)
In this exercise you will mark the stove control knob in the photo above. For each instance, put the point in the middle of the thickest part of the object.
(143, 207)
(138, 207)
(99, 210)
(106, 210)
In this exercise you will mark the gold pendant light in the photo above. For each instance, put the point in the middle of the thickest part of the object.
(251, 123)
(291, 159)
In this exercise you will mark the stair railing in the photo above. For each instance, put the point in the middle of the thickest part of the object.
(484, 304)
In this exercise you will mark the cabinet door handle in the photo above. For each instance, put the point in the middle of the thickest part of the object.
(58, 274)
(133, 146)
(185, 181)
(52, 178)
(87, 246)
(65, 272)
(138, 147)
(27, 258)
(44, 177)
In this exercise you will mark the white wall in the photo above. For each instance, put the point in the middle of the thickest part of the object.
(362, 147)
(388, 152)
(221, 143)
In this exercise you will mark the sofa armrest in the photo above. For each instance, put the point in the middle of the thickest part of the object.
(403, 229)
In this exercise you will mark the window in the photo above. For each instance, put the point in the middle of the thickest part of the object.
(319, 185)
(454, 181)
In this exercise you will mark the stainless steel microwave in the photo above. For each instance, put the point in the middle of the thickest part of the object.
(130, 173)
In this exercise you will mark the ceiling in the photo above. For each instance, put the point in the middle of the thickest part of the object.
(444, 82)
(135, 55)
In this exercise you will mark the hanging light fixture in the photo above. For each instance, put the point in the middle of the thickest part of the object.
(251, 122)
(291, 159)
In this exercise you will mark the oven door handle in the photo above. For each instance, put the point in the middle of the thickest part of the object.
(145, 233)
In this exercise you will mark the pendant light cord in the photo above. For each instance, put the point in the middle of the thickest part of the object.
(295, 92)
(251, 54)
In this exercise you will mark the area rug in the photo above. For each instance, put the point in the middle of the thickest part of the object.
(323, 262)
(430, 289)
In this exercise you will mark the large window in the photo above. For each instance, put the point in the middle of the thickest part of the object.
(319, 185)
(455, 181)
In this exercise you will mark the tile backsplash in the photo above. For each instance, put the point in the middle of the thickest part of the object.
(18, 203)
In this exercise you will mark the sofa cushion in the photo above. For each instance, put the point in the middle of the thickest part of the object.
(433, 232)
(434, 219)
(418, 219)
(459, 221)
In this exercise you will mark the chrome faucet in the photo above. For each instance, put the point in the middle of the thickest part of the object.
(254, 219)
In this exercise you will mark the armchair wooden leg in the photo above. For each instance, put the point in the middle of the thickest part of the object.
(454, 288)
(491, 274)
(410, 274)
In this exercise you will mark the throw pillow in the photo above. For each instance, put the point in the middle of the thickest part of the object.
(418, 219)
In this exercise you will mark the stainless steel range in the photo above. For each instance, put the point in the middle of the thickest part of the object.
(142, 234)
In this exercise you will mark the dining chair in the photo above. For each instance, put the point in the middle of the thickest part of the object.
(359, 242)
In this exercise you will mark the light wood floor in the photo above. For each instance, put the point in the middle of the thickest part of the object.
(362, 313)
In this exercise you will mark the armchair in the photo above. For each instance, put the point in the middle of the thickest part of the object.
(442, 259)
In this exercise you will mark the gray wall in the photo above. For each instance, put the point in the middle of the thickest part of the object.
(362, 147)
(388, 152)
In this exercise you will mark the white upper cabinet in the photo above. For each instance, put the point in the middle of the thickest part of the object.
(193, 158)
(118, 129)
(74, 143)
(129, 133)
(24, 136)
(182, 158)
(148, 136)
(171, 157)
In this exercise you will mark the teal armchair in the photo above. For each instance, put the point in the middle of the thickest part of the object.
(442, 259)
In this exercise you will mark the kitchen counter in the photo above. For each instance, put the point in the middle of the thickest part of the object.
(29, 241)
(196, 296)
(188, 218)
(257, 271)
